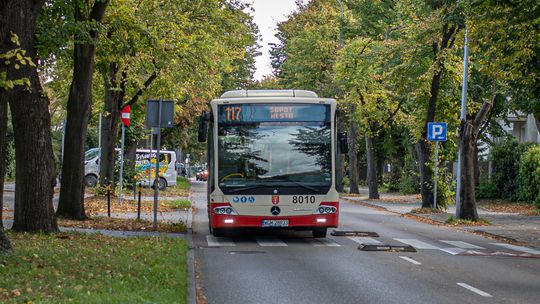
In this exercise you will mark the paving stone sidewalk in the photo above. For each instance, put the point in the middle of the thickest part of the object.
(523, 229)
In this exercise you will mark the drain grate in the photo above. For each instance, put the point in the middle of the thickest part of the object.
(391, 248)
(354, 233)
(246, 252)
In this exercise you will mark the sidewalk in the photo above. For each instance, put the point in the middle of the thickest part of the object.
(522, 229)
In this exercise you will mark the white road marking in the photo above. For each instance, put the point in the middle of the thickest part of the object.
(321, 242)
(475, 290)
(219, 241)
(453, 251)
(417, 244)
(463, 245)
(364, 240)
(517, 248)
(268, 241)
(410, 260)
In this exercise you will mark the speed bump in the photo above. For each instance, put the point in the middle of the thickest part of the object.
(392, 248)
(354, 233)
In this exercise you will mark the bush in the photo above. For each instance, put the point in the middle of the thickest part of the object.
(408, 184)
(529, 176)
(506, 161)
(486, 189)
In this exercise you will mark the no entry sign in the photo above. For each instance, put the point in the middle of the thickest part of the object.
(125, 115)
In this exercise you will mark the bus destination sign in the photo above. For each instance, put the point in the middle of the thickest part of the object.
(238, 113)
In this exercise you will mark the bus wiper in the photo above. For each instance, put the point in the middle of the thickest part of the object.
(244, 188)
(296, 184)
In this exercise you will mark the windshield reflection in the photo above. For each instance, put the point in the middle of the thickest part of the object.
(275, 155)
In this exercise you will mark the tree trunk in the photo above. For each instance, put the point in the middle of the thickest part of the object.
(476, 165)
(426, 174)
(35, 172)
(353, 158)
(371, 168)
(130, 155)
(467, 193)
(109, 128)
(422, 147)
(5, 245)
(468, 140)
(71, 202)
(3, 148)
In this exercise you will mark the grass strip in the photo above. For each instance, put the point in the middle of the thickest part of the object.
(178, 204)
(79, 268)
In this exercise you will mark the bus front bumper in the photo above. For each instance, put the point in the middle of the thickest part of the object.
(298, 221)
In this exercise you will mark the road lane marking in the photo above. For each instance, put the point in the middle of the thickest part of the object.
(410, 260)
(453, 251)
(517, 248)
(475, 290)
(417, 244)
(323, 243)
(463, 245)
(219, 241)
(364, 240)
(268, 241)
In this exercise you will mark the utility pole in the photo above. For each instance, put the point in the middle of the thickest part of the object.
(463, 116)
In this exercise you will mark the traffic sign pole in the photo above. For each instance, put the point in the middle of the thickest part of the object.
(435, 164)
(125, 117)
(156, 182)
(121, 165)
(436, 133)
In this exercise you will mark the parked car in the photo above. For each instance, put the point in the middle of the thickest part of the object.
(145, 166)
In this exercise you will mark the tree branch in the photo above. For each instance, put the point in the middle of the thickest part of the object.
(486, 108)
(145, 86)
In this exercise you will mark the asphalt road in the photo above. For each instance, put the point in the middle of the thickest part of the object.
(292, 267)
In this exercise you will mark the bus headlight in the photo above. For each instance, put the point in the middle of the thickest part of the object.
(225, 210)
(326, 210)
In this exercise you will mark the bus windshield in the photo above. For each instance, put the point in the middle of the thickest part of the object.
(264, 157)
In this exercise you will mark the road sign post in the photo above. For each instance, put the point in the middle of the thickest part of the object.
(159, 114)
(125, 117)
(436, 133)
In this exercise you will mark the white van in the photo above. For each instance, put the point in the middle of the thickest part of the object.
(145, 165)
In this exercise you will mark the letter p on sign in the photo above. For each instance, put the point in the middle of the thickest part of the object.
(437, 131)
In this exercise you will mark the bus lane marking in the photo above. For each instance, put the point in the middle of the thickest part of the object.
(364, 240)
(410, 260)
(417, 244)
(323, 243)
(475, 290)
(219, 241)
(266, 241)
(461, 244)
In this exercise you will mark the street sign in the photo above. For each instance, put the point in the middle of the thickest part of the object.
(436, 131)
(125, 115)
(152, 113)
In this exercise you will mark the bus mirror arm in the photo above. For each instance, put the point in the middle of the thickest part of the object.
(343, 144)
(203, 130)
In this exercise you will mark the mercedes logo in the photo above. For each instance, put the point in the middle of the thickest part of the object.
(275, 191)
(275, 210)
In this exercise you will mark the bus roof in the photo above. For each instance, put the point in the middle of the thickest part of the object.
(268, 93)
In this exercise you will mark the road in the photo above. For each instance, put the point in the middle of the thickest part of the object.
(9, 196)
(292, 267)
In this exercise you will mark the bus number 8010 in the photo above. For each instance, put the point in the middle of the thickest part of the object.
(301, 199)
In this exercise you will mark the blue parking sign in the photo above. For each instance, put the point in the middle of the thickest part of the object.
(436, 131)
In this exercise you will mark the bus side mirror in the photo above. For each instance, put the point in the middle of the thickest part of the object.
(343, 144)
(203, 130)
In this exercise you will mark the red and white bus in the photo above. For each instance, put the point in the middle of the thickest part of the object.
(271, 161)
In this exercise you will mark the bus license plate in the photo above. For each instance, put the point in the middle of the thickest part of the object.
(275, 223)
